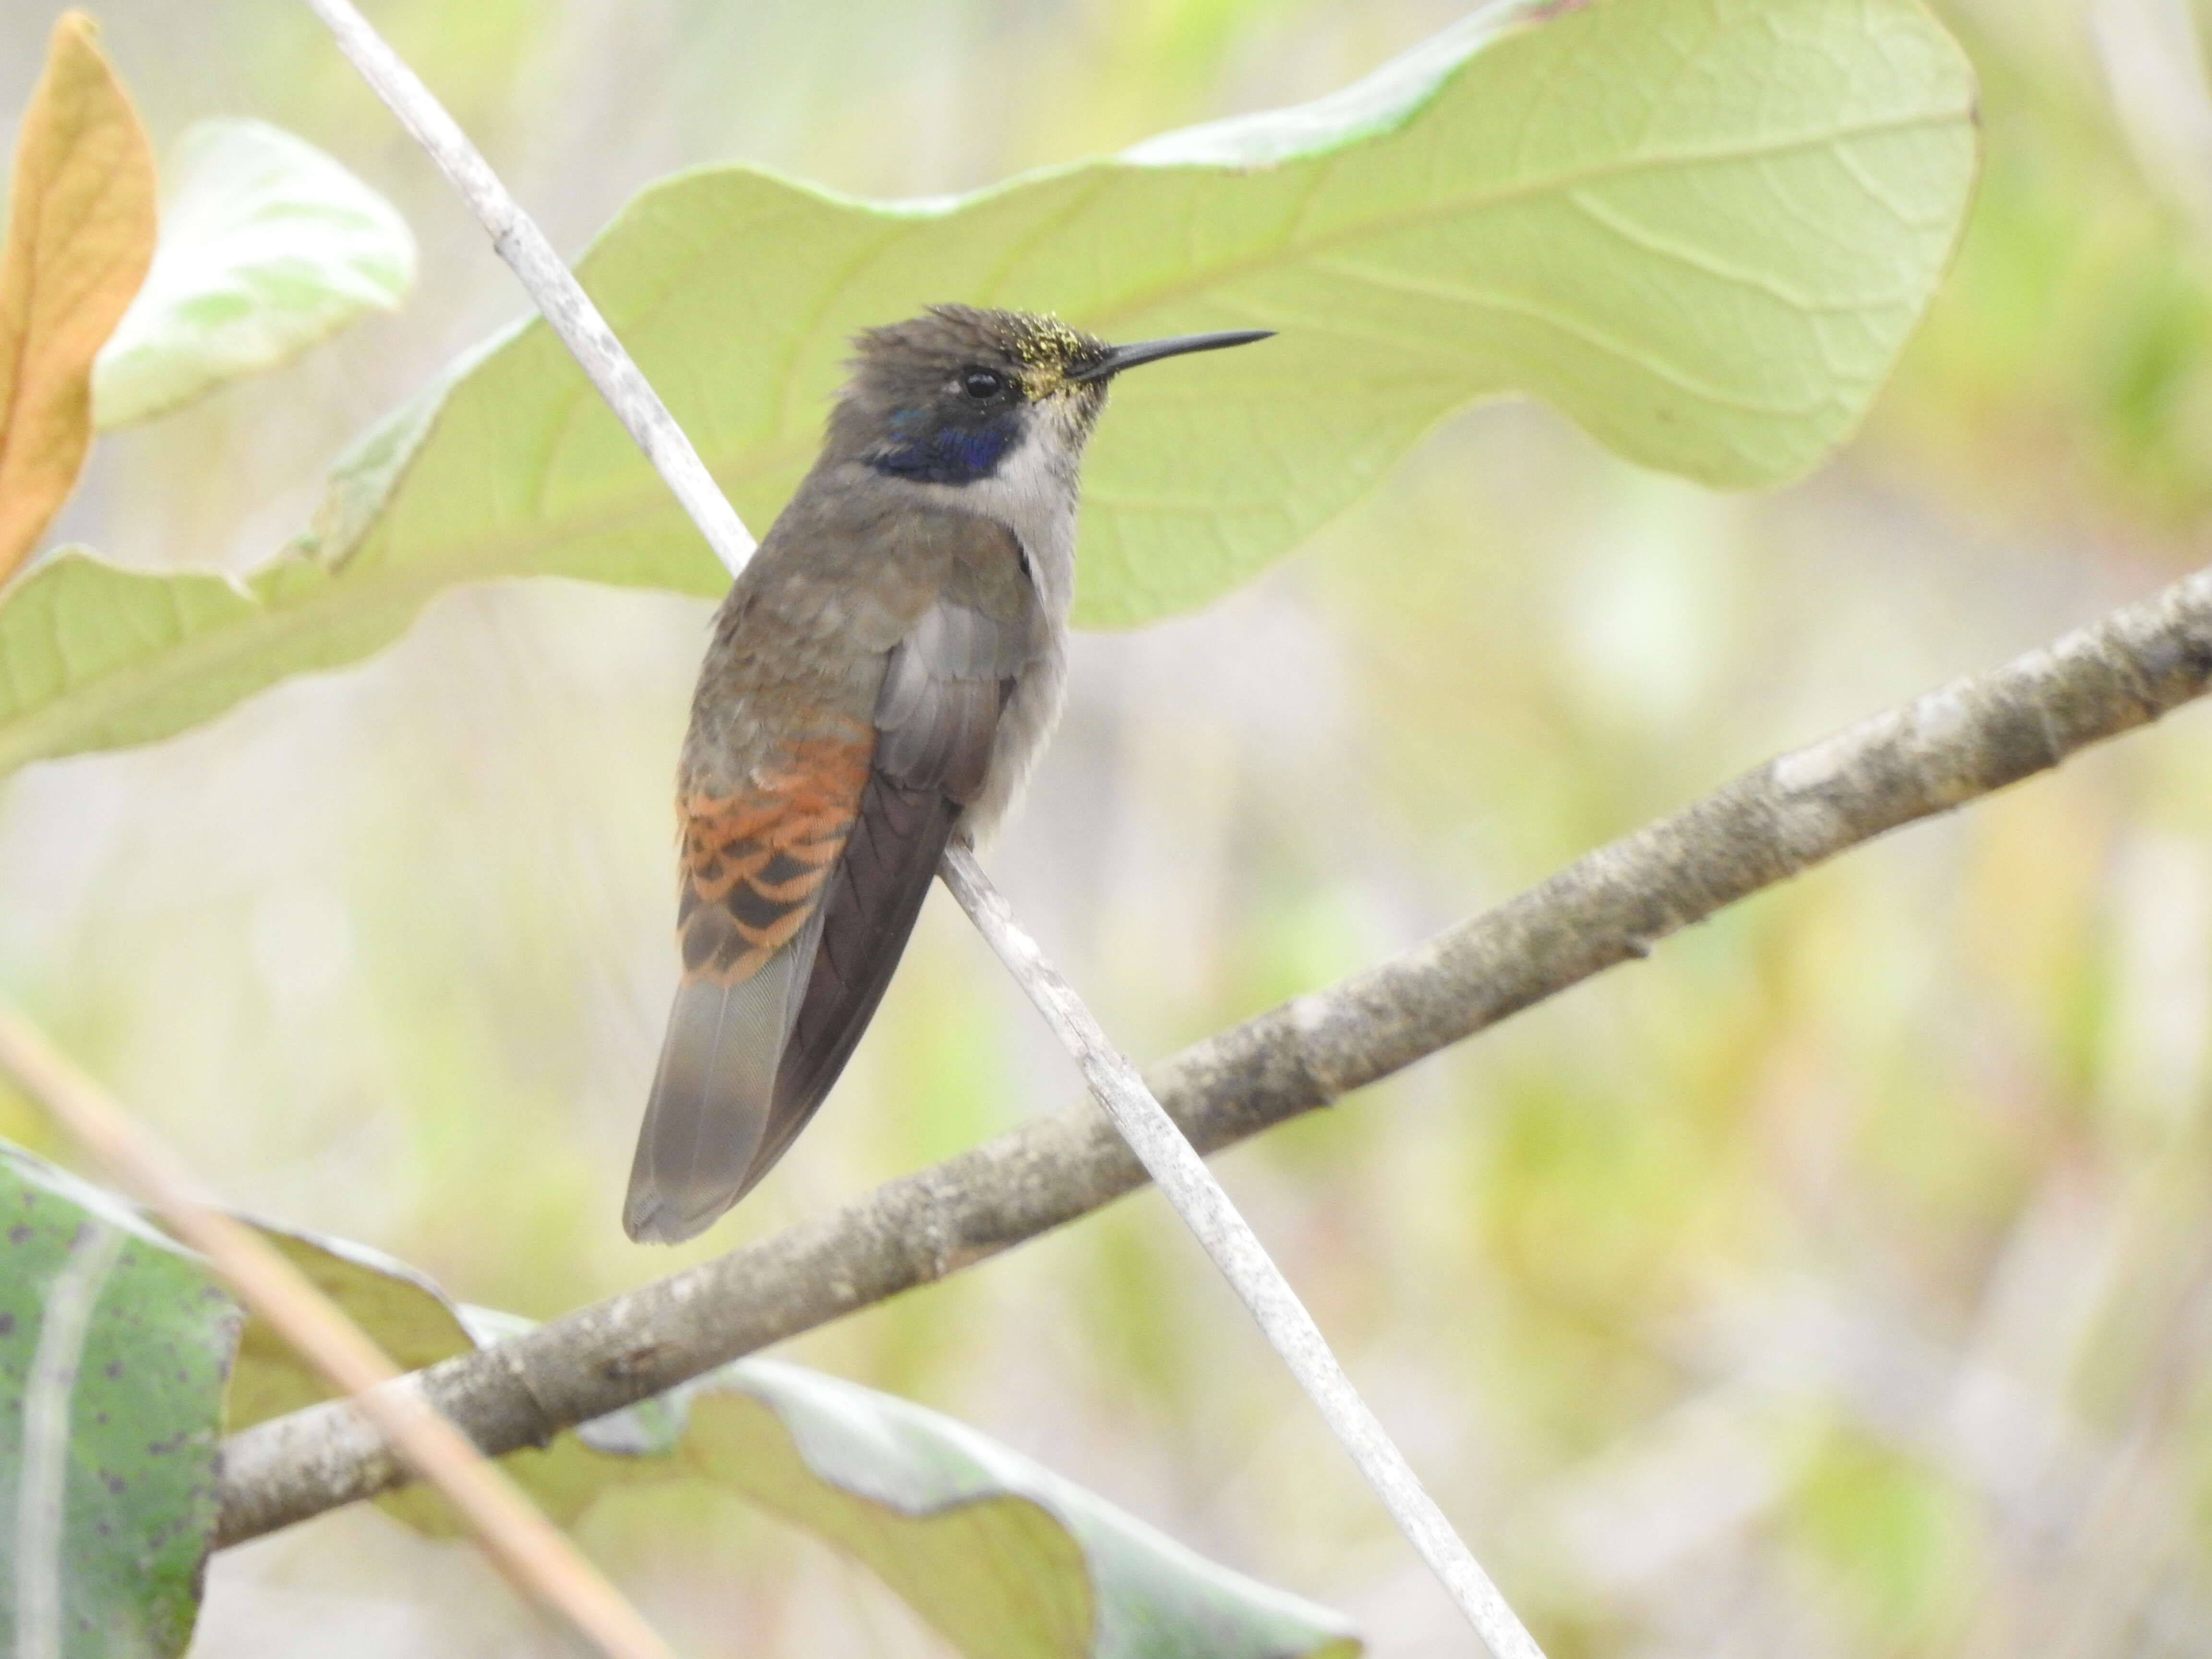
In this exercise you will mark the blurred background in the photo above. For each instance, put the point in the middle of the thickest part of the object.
(1838, 1282)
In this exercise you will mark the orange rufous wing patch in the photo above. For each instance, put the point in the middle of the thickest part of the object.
(756, 860)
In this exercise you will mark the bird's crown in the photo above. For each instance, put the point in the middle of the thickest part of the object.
(1037, 355)
(945, 396)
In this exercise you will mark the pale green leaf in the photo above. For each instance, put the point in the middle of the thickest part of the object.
(1006, 1560)
(1002, 1556)
(267, 248)
(114, 1350)
(1704, 228)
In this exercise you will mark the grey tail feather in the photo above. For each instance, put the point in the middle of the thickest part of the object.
(714, 1096)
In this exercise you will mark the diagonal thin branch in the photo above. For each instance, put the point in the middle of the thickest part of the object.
(1225, 1236)
(527, 1547)
(516, 239)
(1937, 752)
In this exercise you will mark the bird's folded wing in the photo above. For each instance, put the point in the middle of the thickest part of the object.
(936, 720)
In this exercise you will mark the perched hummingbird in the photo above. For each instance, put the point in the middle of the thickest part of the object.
(880, 679)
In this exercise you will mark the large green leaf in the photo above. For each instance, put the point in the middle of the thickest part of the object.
(114, 1350)
(267, 248)
(1006, 1560)
(1702, 228)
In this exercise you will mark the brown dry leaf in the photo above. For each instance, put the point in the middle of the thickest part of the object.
(80, 235)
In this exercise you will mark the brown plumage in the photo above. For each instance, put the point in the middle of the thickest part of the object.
(755, 860)
(879, 680)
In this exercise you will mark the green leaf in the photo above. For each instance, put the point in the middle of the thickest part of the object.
(267, 248)
(1006, 1560)
(405, 1311)
(1003, 1557)
(1704, 228)
(113, 1350)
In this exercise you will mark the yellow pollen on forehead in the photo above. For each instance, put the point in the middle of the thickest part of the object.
(1045, 348)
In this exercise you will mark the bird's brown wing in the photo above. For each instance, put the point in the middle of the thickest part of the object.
(755, 863)
(937, 720)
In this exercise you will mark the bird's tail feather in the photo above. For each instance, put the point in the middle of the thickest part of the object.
(713, 1095)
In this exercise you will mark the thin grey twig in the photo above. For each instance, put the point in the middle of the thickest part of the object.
(1181, 1174)
(1937, 752)
(519, 241)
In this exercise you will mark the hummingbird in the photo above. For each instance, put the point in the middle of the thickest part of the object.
(879, 680)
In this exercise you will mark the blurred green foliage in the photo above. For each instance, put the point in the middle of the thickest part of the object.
(1833, 1284)
(267, 248)
(2068, 375)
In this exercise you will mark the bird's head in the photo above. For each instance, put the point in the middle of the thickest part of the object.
(950, 396)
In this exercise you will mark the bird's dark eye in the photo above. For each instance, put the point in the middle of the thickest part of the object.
(982, 384)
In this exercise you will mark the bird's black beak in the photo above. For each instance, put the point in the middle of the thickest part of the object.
(1120, 358)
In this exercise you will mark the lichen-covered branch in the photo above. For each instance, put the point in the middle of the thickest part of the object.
(1942, 749)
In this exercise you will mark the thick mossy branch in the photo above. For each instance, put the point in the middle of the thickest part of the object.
(1942, 749)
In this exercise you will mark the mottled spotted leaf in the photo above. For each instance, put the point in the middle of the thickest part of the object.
(114, 1349)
